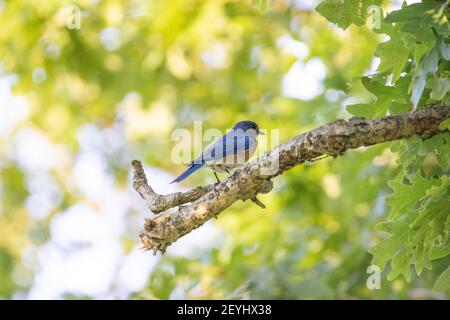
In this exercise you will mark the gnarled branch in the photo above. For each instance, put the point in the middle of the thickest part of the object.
(255, 177)
(158, 203)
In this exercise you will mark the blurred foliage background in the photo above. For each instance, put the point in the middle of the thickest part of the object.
(78, 104)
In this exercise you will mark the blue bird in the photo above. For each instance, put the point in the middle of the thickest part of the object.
(228, 152)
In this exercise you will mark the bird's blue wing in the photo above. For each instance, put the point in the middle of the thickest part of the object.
(229, 144)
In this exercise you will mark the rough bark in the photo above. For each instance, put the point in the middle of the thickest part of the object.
(245, 183)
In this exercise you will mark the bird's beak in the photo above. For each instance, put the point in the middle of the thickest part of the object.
(261, 133)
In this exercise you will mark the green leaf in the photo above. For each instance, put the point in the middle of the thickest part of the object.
(382, 252)
(388, 98)
(429, 65)
(343, 13)
(432, 145)
(419, 19)
(418, 87)
(419, 51)
(445, 125)
(417, 224)
(411, 12)
(443, 281)
(414, 152)
(399, 107)
(441, 251)
(404, 196)
(440, 87)
(364, 110)
(443, 157)
(400, 265)
(411, 34)
(393, 55)
(444, 49)
(421, 257)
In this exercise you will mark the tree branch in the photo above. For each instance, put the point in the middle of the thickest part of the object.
(255, 177)
(156, 202)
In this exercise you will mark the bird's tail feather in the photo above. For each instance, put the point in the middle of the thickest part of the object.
(192, 168)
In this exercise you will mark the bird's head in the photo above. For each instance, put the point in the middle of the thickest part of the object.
(248, 127)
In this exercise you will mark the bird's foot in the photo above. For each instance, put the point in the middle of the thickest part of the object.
(215, 174)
